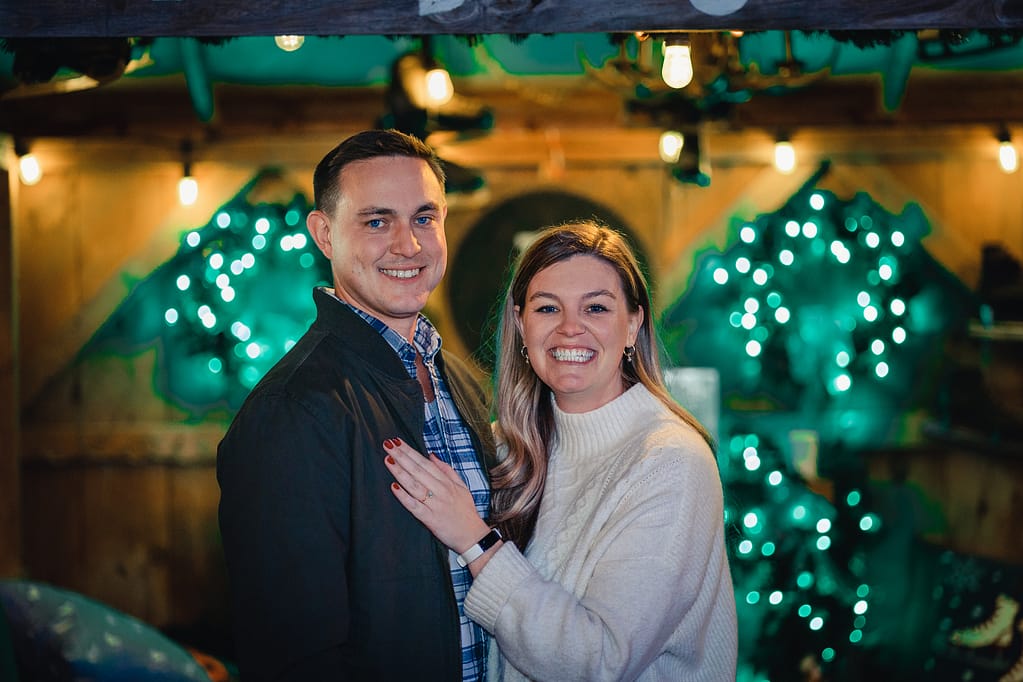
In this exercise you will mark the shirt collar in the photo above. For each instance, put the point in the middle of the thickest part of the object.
(425, 338)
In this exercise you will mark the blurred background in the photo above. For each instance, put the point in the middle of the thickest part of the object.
(831, 222)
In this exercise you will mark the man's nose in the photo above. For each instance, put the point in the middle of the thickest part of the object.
(404, 242)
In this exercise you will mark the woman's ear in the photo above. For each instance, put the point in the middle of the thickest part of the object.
(635, 322)
(518, 321)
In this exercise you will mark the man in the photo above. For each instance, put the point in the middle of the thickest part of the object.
(331, 579)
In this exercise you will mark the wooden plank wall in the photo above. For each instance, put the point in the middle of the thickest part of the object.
(119, 491)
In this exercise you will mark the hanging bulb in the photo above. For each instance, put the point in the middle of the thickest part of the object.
(784, 156)
(677, 68)
(29, 170)
(439, 89)
(1007, 157)
(188, 189)
(289, 43)
(670, 146)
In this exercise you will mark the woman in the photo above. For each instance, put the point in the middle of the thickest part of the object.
(612, 564)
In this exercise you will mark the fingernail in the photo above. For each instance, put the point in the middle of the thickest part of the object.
(395, 487)
(397, 441)
(390, 460)
(388, 444)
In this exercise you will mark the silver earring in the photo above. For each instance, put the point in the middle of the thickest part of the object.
(524, 352)
(629, 352)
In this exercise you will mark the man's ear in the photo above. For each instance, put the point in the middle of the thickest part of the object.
(318, 225)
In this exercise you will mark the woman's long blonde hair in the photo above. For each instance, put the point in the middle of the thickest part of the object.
(525, 418)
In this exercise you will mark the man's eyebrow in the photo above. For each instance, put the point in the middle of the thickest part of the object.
(380, 210)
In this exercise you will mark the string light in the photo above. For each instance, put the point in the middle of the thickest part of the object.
(784, 155)
(439, 89)
(670, 146)
(677, 68)
(1007, 156)
(188, 187)
(289, 43)
(29, 169)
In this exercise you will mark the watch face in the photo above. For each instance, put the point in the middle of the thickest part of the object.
(490, 539)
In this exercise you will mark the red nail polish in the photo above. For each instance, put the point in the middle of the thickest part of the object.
(388, 444)
(395, 487)
(397, 441)
(390, 460)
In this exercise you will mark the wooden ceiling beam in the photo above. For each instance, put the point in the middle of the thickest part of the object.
(141, 111)
(130, 18)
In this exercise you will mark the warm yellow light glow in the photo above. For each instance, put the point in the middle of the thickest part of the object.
(670, 146)
(29, 169)
(289, 43)
(677, 69)
(439, 89)
(188, 190)
(784, 156)
(1007, 157)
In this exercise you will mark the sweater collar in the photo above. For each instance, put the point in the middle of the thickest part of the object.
(599, 432)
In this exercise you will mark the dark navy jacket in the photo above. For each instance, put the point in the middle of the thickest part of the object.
(330, 577)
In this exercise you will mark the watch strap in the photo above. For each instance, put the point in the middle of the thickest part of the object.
(476, 551)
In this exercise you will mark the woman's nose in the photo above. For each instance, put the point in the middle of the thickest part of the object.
(570, 324)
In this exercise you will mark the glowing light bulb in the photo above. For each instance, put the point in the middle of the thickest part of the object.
(677, 69)
(670, 146)
(188, 190)
(29, 170)
(289, 43)
(1007, 157)
(439, 89)
(784, 156)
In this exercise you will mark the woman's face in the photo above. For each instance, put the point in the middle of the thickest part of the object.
(576, 323)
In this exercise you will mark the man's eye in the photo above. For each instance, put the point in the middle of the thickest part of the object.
(424, 219)
(375, 223)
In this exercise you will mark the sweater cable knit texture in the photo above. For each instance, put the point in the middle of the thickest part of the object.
(626, 577)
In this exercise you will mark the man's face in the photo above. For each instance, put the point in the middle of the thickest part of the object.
(385, 238)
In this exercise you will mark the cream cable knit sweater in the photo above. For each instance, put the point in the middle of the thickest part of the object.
(626, 577)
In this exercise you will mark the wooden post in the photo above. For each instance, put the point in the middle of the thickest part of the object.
(10, 442)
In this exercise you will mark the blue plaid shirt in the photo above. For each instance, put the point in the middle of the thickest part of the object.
(447, 437)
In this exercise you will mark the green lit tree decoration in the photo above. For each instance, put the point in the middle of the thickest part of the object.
(226, 306)
(825, 321)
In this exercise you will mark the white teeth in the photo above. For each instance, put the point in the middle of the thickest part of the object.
(571, 355)
(402, 274)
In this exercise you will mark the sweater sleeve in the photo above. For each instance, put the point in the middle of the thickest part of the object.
(658, 577)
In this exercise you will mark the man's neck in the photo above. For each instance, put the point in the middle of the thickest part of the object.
(425, 380)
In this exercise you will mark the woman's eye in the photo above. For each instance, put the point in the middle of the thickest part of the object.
(546, 309)
(597, 308)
